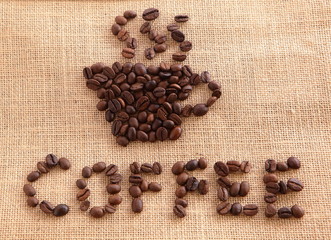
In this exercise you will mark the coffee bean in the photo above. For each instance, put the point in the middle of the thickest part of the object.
(200, 109)
(93, 84)
(179, 211)
(144, 186)
(233, 166)
(133, 122)
(236, 209)
(51, 160)
(97, 67)
(293, 162)
(33, 176)
(137, 205)
(181, 18)
(116, 127)
(270, 197)
(150, 14)
(160, 38)
(32, 202)
(83, 194)
(244, 188)
(109, 116)
(128, 52)
(123, 35)
(192, 184)
(202, 163)
(149, 53)
(192, 165)
(146, 168)
(145, 27)
(85, 205)
(282, 187)
(142, 103)
(213, 85)
(284, 212)
(272, 187)
(178, 167)
(223, 194)
(282, 166)
(135, 179)
(250, 209)
(115, 199)
(157, 168)
(152, 35)
(187, 110)
(115, 28)
(203, 187)
(114, 105)
(115, 178)
(180, 192)
(297, 211)
(131, 43)
(178, 36)
(182, 202)
(64, 163)
(223, 208)
(172, 27)
(182, 178)
(135, 191)
(269, 177)
(234, 189)
(87, 72)
(113, 188)
(161, 133)
(81, 183)
(245, 166)
(42, 167)
(221, 169)
(102, 105)
(178, 56)
(205, 77)
(60, 210)
(123, 141)
(129, 14)
(99, 167)
(97, 212)
(135, 167)
(29, 190)
(46, 207)
(110, 208)
(154, 187)
(295, 184)
(224, 182)
(211, 101)
(270, 165)
(159, 48)
(270, 210)
(120, 20)
(87, 172)
(185, 46)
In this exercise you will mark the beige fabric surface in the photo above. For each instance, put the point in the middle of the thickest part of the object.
(273, 60)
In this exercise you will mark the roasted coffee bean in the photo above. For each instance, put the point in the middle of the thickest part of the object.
(133, 122)
(51, 160)
(282, 166)
(172, 27)
(175, 118)
(64, 163)
(195, 79)
(284, 212)
(154, 187)
(161, 133)
(233, 165)
(111, 169)
(97, 212)
(97, 67)
(137, 205)
(177, 108)
(46, 207)
(123, 35)
(135, 167)
(178, 56)
(182, 178)
(270, 210)
(245, 166)
(150, 14)
(113, 188)
(295, 184)
(152, 34)
(270, 197)
(114, 105)
(120, 20)
(203, 187)
(83, 194)
(142, 136)
(42, 167)
(87, 72)
(213, 85)
(130, 110)
(131, 43)
(205, 77)
(187, 110)
(110, 208)
(297, 211)
(29, 190)
(269, 177)
(272, 187)
(293, 162)
(135, 179)
(142, 103)
(144, 186)
(123, 117)
(102, 105)
(234, 189)
(178, 36)
(157, 168)
(146, 168)
(99, 167)
(223, 194)
(159, 48)
(182, 202)
(192, 165)
(109, 116)
(60, 210)
(135, 191)
(115, 199)
(185, 46)
(223, 208)
(270, 165)
(87, 172)
(224, 182)
(129, 14)
(85, 205)
(236, 209)
(200, 109)
(128, 52)
(109, 72)
(115, 28)
(192, 184)
(149, 53)
(115, 178)
(123, 141)
(282, 187)
(244, 188)
(33, 176)
(180, 192)
(221, 169)
(181, 18)
(145, 27)
(250, 209)
(202, 163)
(179, 211)
(81, 183)
(211, 101)
(32, 202)
(116, 127)
(160, 38)
(93, 84)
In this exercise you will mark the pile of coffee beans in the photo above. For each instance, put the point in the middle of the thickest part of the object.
(112, 188)
(233, 189)
(44, 167)
(274, 186)
(188, 183)
(141, 101)
(140, 185)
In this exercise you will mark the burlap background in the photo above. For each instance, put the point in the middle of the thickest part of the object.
(273, 60)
